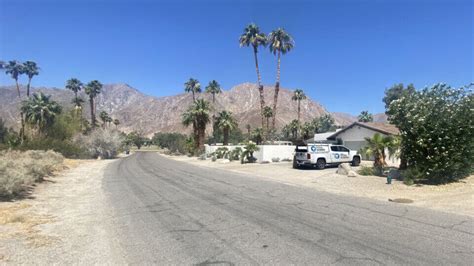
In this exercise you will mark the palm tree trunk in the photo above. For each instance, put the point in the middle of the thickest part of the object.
(91, 100)
(17, 88)
(22, 119)
(260, 87)
(299, 108)
(226, 136)
(277, 90)
(28, 87)
(194, 99)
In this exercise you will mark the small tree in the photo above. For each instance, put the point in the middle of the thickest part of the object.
(365, 116)
(376, 146)
(249, 149)
(437, 132)
(136, 138)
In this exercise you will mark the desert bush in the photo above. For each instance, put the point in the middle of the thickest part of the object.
(436, 127)
(213, 158)
(235, 153)
(286, 160)
(275, 159)
(366, 170)
(222, 152)
(103, 143)
(66, 147)
(19, 170)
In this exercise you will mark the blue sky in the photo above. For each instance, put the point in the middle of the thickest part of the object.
(347, 52)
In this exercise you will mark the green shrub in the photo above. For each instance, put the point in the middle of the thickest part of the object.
(19, 170)
(437, 130)
(66, 147)
(366, 170)
(235, 154)
(222, 152)
(103, 143)
(174, 142)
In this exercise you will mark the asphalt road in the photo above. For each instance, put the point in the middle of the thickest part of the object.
(168, 212)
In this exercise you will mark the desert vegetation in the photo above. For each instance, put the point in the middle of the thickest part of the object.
(46, 125)
(20, 170)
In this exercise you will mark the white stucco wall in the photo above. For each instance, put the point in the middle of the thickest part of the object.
(265, 153)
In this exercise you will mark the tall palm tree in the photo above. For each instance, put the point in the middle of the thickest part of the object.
(365, 116)
(280, 42)
(40, 111)
(213, 88)
(15, 69)
(31, 69)
(198, 115)
(226, 122)
(298, 96)
(252, 36)
(93, 89)
(193, 86)
(267, 113)
(75, 86)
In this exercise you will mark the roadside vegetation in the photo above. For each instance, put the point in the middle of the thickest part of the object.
(46, 125)
(20, 170)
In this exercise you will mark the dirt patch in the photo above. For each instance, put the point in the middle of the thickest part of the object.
(64, 222)
(456, 197)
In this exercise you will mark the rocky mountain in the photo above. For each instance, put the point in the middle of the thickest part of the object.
(137, 111)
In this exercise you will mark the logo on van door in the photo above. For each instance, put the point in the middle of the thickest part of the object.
(336, 155)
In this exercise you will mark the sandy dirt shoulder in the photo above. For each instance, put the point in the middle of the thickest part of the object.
(64, 221)
(453, 198)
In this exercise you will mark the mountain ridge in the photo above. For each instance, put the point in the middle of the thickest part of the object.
(150, 114)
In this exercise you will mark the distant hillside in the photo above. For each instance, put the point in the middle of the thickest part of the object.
(137, 111)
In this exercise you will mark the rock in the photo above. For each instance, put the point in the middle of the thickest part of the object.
(343, 169)
(224, 161)
(352, 174)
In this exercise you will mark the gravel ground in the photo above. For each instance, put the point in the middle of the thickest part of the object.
(453, 198)
(65, 223)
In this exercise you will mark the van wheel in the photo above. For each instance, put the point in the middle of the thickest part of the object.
(356, 161)
(295, 165)
(321, 163)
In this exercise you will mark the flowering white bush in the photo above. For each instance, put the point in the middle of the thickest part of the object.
(437, 131)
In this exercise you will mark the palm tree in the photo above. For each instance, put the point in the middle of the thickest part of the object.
(93, 89)
(104, 117)
(193, 86)
(280, 42)
(75, 86)
(306, 130)
(198, 115)
(267, 113)
(376, 147)
(298, 96)
(257, 135)
(294, 126)
(14, 69)
(365, 116)
(213, 88)
(40, 111)
(30, 69)
(226, 122)
(116, 122)
(252, 36)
